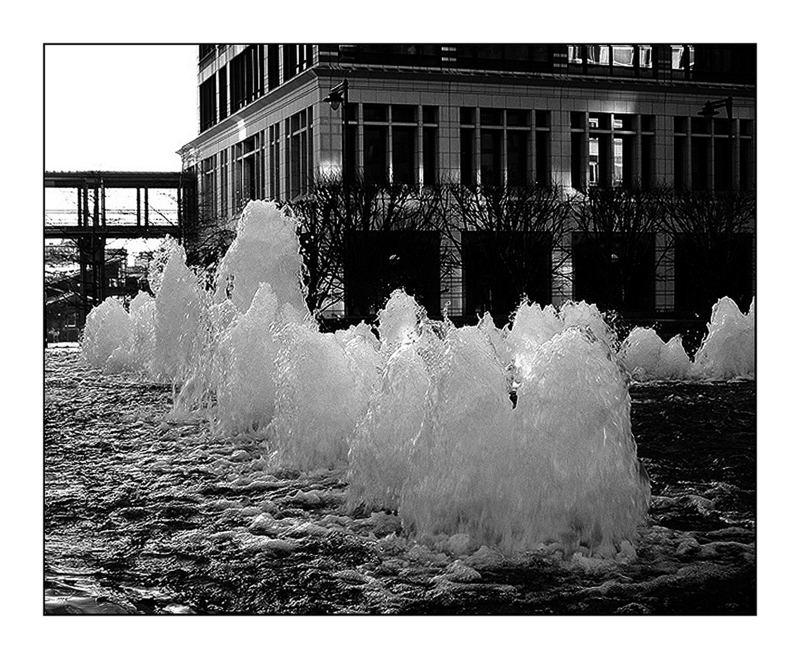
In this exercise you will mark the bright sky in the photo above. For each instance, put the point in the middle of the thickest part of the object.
(119, 107)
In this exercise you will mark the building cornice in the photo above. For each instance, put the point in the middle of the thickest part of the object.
(578, 80)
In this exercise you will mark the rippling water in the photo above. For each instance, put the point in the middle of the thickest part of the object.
(142, 516)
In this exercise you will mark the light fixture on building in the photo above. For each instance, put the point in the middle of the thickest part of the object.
(337, 97)
(710, 108)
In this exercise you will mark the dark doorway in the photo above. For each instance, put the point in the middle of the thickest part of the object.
(710, 267)
(500, 267)
(378, 262)
(615, 271)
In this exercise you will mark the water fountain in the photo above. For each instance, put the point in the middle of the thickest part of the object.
(516, 436)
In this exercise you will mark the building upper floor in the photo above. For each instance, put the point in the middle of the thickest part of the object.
(231, 77)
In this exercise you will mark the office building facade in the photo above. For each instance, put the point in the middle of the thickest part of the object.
(581, 116)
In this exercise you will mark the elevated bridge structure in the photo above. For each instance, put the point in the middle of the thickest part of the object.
(91, 207)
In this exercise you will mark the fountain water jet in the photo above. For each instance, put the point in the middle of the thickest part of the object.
(422, 416)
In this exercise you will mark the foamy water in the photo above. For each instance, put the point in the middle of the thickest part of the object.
(420, 414)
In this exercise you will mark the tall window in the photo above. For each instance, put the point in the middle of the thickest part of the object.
(297, 57)
(208, 103)
(222, 85)
(376, 143)
(430, 122)
(491, 156)
(299, 135)
(468, 146)
(246, 170)
(274, 133)
(746, 155)
(223, 196)
(492, 133)
(273, 66)
(518, 135)
(543, 173)
(404, 144)
(209, 187)
(682, 57)
(247, 76)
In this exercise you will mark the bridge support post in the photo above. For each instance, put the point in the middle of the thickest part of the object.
(92, 255)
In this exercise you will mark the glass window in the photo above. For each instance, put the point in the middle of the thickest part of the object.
(623, 122)
(404, 150)
(222, 83)
(722, 126)
(542, 119)
(208, 104)
(374, 112)
(746, 165)
(646, 57)
(682, 57)
(517, 158)
(679, 160)
(543, 158)
(701, 156)
(375, 154)
(467, 116)
(700, 126)
(621, 162)
(723, 165)
(404, 114)
(622, 55)
(518, 118)
(467, 162)
(491, 117)
(594, 161)
(492, 157)
(429, 155)
(430, 114)
(597, 55)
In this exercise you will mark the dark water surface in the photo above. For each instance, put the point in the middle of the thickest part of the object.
(142, 516)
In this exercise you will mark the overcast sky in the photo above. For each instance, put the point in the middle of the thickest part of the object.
(119, 107)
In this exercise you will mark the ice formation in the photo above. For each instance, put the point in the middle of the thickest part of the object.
(510, 437)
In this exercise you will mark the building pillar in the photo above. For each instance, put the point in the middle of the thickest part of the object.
(359, 154)
(736, 155)
(476, 164)
(420, 143)
(637, 152)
